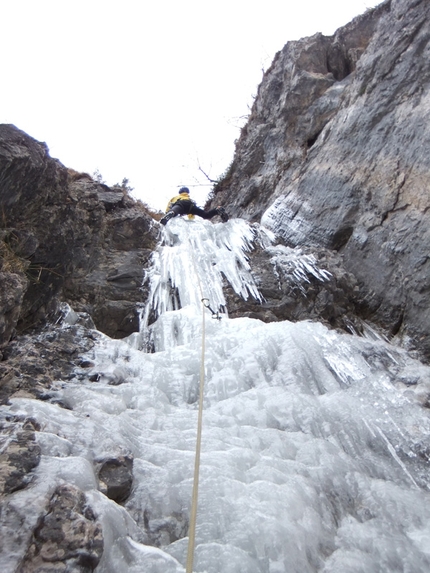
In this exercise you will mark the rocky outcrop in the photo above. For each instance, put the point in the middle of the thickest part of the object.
(32, 363)
(72, 254)
(116, 478)
(66, 238)
(299, 94)
(67, 538)
(334, 156)
(20, 454)
(108, 269)
(299, 284)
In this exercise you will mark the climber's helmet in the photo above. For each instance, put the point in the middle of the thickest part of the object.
(184, 190)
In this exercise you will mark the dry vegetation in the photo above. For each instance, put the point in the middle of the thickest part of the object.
(9, 260)
(149, 210)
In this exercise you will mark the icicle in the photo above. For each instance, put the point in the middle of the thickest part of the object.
(294, 264)
(193, 261)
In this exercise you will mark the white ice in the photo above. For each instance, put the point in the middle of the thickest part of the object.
(315, 443)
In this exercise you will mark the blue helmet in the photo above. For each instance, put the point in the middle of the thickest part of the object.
(184, 190)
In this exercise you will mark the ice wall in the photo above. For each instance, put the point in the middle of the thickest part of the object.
(315, 444)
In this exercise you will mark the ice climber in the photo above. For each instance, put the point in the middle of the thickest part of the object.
(183, 205)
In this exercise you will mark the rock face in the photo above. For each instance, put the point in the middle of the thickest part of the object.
(335, 156)
(72, 254)
(20, 455)
(67, 538)
(300, 93)
(116, 475)
(31, 363)
(65, 237)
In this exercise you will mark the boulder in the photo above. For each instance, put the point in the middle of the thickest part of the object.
(116, 478)
(67, 538)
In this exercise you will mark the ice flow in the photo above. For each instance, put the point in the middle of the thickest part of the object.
(315, 443)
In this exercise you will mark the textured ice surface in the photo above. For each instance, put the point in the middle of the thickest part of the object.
(286, 217)
(297, 265)
(192, 263)
(315, 444)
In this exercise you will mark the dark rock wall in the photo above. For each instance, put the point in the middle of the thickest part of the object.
(335, 156)
(66, 238)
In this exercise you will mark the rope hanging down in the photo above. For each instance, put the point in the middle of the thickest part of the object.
(194, 498)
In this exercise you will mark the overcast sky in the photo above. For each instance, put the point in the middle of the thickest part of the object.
(147, 91)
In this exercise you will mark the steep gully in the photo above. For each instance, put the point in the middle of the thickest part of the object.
(333, 160)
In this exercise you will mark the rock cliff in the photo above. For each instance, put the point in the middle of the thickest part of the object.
(72, 252)
(334, 156)
(66, 238)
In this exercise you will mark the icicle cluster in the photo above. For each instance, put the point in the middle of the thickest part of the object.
(193, 262)
(298, 266)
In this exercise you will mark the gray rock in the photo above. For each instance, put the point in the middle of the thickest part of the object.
(335, 156)
(68, 538)
(299, 284)
(116, 478)
(19, 456)
(31, 363)
(13, 286)
(76, 240)
(299, 95)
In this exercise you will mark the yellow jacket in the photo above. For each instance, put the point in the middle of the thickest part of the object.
(180, 197)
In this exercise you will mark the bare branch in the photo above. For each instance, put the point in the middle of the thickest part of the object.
(206, 175)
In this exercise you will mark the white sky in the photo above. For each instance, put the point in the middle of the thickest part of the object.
(147, 90)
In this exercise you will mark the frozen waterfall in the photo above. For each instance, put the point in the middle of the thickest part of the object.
(315, 444)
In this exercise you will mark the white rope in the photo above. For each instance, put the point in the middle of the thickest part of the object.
(195, 494)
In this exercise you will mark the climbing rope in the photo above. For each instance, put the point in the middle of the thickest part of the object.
(194, 498)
